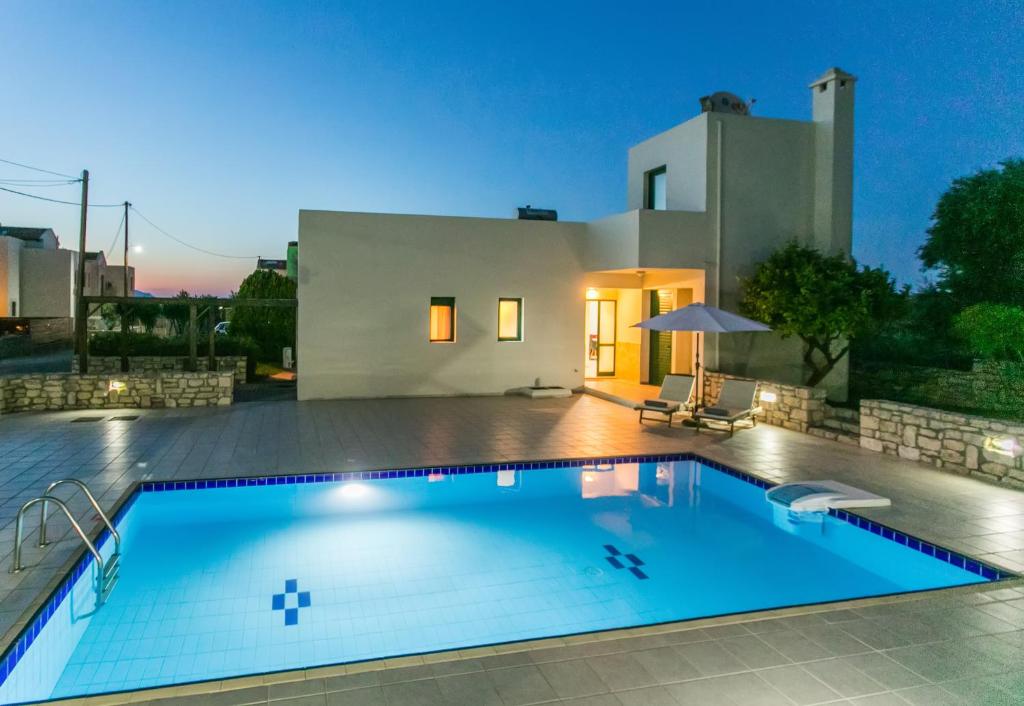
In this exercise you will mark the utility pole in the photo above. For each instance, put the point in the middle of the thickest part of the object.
(81, 310)
(125, 293)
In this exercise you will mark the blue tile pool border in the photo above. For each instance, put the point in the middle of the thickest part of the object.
(13, 654)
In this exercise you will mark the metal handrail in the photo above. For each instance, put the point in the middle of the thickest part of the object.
(95, 506)
(19, 523)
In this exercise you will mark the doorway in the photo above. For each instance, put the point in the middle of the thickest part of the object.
(602, 318)
(659, 363)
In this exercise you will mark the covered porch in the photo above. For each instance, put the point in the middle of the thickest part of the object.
(625, 364)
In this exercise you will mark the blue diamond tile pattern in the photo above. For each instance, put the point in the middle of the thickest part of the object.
(290, 601)
(618, 560)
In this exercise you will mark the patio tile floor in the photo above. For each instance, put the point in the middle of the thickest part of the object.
(963, 646)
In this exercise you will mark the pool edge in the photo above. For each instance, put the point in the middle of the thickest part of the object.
(40, 610)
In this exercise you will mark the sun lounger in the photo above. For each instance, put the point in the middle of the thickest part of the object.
(675, 397)
(735, 403)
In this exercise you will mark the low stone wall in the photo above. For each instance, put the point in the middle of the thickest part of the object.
(111, 364)
(955, 442)
(56, 391)
(795, 407)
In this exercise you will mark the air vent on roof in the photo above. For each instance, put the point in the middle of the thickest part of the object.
(537, 214)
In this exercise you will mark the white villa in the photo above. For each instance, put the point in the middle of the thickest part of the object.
(404, 305)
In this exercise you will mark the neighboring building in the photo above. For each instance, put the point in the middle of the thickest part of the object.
(36, 275)
(278, 267)
(37, 279)
(433, 305)
(103, 280)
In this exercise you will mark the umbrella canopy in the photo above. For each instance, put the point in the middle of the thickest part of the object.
(701, 317)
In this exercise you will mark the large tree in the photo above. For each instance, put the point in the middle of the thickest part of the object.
(272, 328)
(976, 241)
(825, 300)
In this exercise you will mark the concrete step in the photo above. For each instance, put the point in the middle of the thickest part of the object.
(842, 413)
(842, 426)
(835, 435)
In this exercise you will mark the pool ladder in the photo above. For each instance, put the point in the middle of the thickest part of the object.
(107, 571)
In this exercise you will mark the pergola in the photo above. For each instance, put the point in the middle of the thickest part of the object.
(197, 306)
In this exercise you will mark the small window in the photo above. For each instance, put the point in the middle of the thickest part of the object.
(654, 189)
(442, 319)
(510, 319)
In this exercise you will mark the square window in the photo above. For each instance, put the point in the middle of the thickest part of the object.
(510, 319)
(442, 319)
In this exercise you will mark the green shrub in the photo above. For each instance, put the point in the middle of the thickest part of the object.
(272, 328)
(993, 331)
(109, 343)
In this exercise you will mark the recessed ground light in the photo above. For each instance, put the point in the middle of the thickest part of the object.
(87, 419)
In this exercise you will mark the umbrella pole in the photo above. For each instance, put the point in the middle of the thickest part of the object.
(700, 377)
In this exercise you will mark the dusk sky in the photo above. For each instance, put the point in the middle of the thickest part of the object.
(220, 120)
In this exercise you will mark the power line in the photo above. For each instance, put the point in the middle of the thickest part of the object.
(189, 245)
(38, 182)
(69, 203)
(37, 169)
(116, 235)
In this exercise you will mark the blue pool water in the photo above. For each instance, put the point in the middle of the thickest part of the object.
(230, 581)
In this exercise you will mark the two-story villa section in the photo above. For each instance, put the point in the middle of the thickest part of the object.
(399, 305)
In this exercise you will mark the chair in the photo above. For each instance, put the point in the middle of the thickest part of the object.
(676, 393)
(735, 403)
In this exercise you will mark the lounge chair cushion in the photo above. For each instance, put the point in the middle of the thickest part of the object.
(723, 413)
(659, 405)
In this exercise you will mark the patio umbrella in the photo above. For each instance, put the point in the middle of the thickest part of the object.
(701, 318)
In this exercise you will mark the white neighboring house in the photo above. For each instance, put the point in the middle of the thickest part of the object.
(404, 305)
(37, 276)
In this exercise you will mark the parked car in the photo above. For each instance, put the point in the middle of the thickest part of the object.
(221, 329)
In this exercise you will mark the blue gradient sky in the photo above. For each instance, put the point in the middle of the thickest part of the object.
(220, 120)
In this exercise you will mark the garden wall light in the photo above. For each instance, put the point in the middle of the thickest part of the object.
(768, 396)
(117, 386)
(1004, 445)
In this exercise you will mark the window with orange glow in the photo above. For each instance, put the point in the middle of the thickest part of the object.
(442, 319)
(510, 319)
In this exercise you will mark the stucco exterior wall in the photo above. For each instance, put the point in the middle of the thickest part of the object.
(10, 279)
(365, 283)
(683, 150)
(47, 283)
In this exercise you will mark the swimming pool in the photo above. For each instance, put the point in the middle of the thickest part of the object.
(232, 577)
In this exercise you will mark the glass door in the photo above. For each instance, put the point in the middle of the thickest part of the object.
(601, 322)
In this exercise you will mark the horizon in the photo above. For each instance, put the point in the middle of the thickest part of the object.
(220, 123)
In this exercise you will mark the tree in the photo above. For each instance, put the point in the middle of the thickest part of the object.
(825, 300)
(976, 241)
(994, 331)
(177, 314)
(144, 315)
(272, 328)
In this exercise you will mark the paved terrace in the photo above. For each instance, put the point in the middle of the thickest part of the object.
(961, 646)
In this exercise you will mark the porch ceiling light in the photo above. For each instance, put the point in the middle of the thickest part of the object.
(1004, 445)
(768, 396)
(591, 293)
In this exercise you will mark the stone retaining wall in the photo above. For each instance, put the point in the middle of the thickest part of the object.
(111, 364)
(956, 442)
(795, 407)
(56, 391)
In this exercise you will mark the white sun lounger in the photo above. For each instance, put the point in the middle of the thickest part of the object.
(675, 396)
(735, 403)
